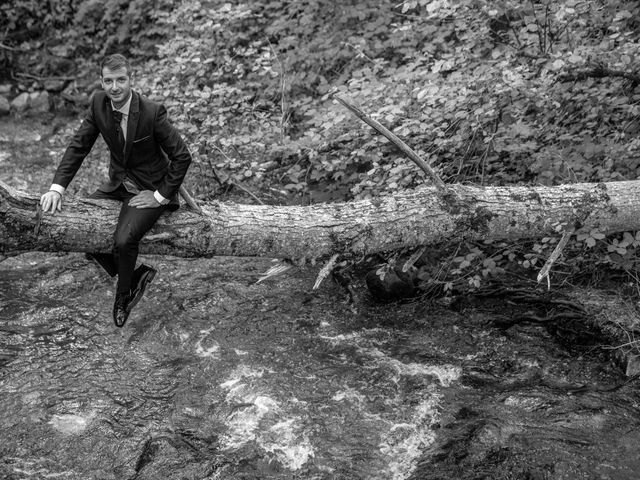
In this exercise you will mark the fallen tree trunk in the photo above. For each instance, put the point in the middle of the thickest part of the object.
(404, 219)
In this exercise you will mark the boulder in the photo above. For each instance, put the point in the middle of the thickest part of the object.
(21, 102)
(39, 102)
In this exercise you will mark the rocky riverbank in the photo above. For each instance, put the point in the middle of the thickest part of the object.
(33, 96)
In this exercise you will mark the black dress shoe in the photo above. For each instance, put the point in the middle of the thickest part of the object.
(121, 309)
(141, 278)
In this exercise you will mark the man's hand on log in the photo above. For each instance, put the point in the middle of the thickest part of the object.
(144, 199)
(51, 202)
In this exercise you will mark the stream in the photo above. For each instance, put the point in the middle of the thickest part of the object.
(216, 376)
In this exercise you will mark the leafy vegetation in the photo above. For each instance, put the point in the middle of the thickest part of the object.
(489, 92)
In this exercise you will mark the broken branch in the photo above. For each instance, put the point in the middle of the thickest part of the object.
(378, 127)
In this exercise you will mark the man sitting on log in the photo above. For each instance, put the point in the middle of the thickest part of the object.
(140, 138)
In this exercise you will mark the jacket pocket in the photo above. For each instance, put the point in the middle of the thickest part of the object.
(143, 139)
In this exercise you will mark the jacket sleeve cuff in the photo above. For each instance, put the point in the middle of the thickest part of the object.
(57, 188)
(160, 199)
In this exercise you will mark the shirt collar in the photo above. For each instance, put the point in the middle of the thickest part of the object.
(125, 108)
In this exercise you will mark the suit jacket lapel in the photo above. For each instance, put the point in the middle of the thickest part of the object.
(132, 124)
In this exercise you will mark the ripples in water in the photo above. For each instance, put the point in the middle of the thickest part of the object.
(216, 377)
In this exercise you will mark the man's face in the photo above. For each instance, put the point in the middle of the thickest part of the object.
(117, 85)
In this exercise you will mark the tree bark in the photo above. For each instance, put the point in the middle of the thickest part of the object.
(405, 219)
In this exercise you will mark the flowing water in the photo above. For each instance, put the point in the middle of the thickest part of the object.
(217, 377)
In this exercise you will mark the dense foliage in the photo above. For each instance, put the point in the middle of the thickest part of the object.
(490, 92)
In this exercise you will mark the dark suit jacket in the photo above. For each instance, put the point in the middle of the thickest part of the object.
(150, 140)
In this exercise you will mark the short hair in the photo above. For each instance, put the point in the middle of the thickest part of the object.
(114, 62)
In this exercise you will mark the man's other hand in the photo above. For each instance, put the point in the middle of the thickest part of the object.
(144, 199)
(51, 202)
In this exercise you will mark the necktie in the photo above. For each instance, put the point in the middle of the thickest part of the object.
(126, 181)
(117, 117)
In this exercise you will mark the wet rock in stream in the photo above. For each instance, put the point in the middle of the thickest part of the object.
(217, 377)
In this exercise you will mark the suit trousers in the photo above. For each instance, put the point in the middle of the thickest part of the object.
(133, 223)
